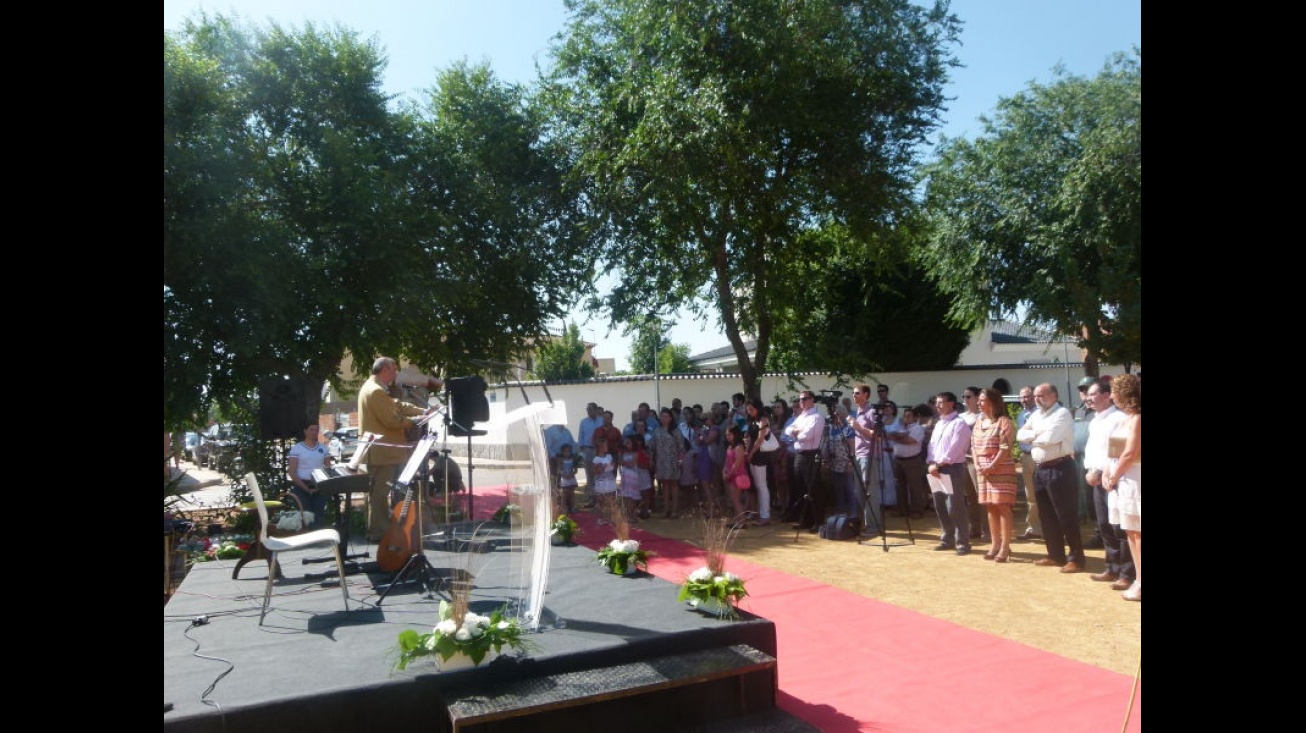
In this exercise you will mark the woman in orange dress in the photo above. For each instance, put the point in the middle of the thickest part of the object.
(991, 441)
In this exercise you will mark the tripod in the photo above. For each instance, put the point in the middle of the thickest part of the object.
(417, 471)
(805, 506)
(872, 514)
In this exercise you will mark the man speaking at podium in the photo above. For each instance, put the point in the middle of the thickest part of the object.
(388, 418)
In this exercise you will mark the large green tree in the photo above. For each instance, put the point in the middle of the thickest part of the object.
(864, 315)
(1042, 213)
(710, 135)
(649, 342)
(563, 357)
(305, 219)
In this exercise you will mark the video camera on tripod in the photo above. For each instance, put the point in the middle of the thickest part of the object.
(829, 398)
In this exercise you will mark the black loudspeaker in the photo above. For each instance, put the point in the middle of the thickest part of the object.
(467, 404)
(282, 408)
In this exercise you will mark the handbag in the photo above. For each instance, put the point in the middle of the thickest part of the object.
(770, 443)
(295, 520)
(742, 481)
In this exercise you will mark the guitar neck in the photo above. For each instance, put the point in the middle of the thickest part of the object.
(408, 501)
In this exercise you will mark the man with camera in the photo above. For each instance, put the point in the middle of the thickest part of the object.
(868, 451)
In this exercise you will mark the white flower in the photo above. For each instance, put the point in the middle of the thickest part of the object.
(504, 626)
(700, 575)
(731, 577)
(446, 627)
(463, 634)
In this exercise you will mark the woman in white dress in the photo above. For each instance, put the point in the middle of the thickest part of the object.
(1125, 475)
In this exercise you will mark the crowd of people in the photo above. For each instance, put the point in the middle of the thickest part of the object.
(967, 459)
(817, 456)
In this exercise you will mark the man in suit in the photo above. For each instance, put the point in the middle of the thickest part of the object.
(388, 418)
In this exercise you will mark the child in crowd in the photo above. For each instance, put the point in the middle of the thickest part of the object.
(566, 478)
(605, 480)
(631, 495)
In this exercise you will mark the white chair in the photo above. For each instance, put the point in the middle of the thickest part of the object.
(274, 545)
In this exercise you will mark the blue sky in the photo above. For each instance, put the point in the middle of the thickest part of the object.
(1005, 44)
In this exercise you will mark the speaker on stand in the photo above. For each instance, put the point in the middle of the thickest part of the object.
(282, 408)
(282, 414)
(467, 406)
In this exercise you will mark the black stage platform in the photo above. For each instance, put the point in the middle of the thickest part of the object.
(313, 666)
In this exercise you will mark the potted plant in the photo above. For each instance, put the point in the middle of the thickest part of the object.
(623, 556)
(462, 638)
(711, 588)
(505, 513)
(564, 530)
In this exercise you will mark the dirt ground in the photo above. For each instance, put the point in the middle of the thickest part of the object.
(1070, 615)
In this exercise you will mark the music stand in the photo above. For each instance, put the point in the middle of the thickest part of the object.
(416, 469)
(453, 428)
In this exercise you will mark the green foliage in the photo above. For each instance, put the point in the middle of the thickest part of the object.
(710, 135)
(563, 358)
(484, 633)
(650, 339)
(620, 556)
(726, 588)
(565, 529)
(1043, 212)
(305, 220)
(867, 315)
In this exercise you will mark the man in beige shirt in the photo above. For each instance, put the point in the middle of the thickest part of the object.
(388, 419)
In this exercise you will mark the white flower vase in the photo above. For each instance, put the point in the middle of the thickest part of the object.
(710, 605)
(557, 540)
(631, 569)
(462, 661)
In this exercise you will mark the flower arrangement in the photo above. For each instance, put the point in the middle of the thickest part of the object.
(505, 512)
(622, 555)
(710, 588)
(462, 631)
(209, 549)
(564, 529)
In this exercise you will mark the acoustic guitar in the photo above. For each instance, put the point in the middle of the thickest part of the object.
(400, 540)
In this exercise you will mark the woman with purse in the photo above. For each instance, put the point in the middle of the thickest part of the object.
(735, 473)
(762, 446)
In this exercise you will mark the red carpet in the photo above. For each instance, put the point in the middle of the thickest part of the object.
(891, 669)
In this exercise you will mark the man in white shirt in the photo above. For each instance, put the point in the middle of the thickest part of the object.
(909, 463)
(1119, 563)
(807, 430)
(1051, 433)
(969, 411)
(1027, 407)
